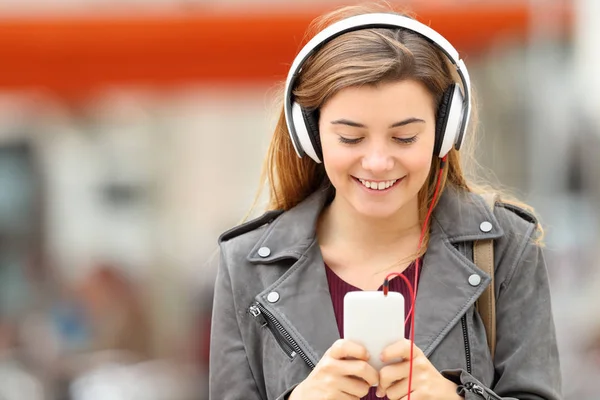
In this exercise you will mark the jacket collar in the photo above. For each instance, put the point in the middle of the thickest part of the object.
(458, 215)
(444, 294)
(290, 235)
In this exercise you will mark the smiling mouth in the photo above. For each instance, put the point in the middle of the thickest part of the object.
(378, 185)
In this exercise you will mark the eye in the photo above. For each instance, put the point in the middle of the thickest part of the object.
(349, 141)
(406, 140)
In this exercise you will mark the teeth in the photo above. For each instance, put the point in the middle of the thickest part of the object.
(377, 185)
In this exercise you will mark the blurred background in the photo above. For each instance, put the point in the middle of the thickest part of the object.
(132, 134)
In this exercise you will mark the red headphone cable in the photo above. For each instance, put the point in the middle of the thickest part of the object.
(413, 288)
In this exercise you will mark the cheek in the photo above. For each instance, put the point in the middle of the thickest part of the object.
(421, 157)
(423, 163)
(336, 167)
(418, 161)
(337, 160)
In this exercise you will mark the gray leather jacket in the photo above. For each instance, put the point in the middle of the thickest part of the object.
(273, 318)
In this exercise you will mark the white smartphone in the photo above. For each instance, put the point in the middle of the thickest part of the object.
(374, 321)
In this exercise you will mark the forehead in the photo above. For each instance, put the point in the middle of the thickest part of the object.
(407, 98)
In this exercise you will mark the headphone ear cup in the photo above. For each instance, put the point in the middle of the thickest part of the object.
(448, 120)
(311, 118)
(306, 131)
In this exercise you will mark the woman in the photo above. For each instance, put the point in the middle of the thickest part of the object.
(375, 105)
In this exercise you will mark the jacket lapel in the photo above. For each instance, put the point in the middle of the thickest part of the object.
(444, 293)
(304, 308)
(450, 282)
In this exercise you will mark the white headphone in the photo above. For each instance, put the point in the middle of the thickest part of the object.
(455, 108)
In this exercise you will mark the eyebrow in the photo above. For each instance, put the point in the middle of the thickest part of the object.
(394, 125)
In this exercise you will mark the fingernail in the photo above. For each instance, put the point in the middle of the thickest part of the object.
(379, 394)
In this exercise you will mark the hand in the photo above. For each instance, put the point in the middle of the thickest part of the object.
(342, 374)
(427, 382)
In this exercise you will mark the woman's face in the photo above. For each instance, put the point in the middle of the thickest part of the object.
(378, 144)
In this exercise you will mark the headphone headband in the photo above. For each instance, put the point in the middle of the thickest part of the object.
(369, 21)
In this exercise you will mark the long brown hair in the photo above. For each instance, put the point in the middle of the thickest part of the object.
(358, 58)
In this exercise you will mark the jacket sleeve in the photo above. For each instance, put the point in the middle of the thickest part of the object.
(230, 376)
(527, 361)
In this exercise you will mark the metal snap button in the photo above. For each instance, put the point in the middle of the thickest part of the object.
(485, 226)
(474, 280)
(273, 297)
(264, 252)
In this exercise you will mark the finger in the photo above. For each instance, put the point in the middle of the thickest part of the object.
(361, 369)
(346, 349)
(399, 390)
(393, 373)
(413, 396)
(357, 369)
(345, 396)
(399, 351)
(356, 388)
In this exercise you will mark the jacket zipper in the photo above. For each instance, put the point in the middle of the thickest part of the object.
(474, 388)
(467, 345)
(285, 340)
(470, 386)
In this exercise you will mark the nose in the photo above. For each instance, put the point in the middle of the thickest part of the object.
(378, 160)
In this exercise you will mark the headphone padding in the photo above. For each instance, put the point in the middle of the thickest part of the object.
(443, 112)
(311, 119)
(454, 122)
(303, 133)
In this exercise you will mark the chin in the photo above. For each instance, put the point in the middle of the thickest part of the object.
(377, 211)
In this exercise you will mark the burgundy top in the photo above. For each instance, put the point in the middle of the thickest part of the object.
(338, 289)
